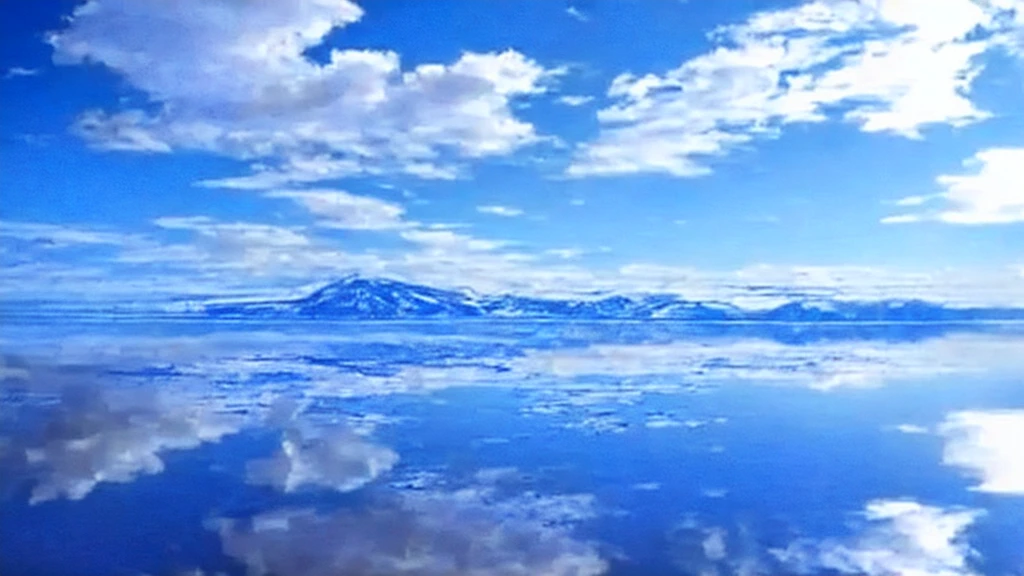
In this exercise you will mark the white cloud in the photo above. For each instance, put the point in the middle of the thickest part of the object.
(956, 287)
(911, 429)
(912, 200)
(893, 66)
(223, 256)
(240, 236)
(340, 459)
(714, 545)
(993, 194)
(465, 532)
(662, 422)
(96, 436)
(229, 257)
(564, 253)
(820, 365)
(294, 170)
(18, 71)
(901, 537)
(245, 252)
(1011, 36)
(574, 100)
(257, 96)
(714, 550)
(576, 14)
(901, 219)
(448, 241)
(339, 209)
(130, 131)
(62, 236)
(506, 211)
(987, 445)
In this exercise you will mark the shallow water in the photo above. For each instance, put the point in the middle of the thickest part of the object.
(170, 447)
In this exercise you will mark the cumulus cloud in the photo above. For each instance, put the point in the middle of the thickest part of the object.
(893, 66)
(258, 96)
(992, 194)
(339, 209)
(428, 533)
(337, 459)
(130, 131)
(898, 537)
(987, 446)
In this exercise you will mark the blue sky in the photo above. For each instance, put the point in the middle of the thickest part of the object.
(866, 148)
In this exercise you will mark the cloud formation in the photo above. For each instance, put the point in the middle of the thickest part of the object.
(337, 459)
(94, 435)
(258, 96)
(19, 71)
(822, 365)
(417, 534)
(507, 211)
(340, 209)
(992, 194)
(62, 236)
(986, 444)
(899, 537)
(893, 66)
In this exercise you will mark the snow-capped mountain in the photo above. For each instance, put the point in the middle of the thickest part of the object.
(365, 298)
(355, 297)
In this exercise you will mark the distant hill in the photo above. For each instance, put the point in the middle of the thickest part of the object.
(360, 298)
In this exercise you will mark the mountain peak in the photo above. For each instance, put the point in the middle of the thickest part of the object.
(361, 298)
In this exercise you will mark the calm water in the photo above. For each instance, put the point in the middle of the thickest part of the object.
(163, 448)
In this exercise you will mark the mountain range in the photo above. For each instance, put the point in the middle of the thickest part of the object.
(361, 298)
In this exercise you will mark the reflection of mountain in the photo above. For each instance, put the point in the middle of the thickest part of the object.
(362, 298)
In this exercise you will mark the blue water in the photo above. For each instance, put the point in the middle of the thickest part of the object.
(633, 444)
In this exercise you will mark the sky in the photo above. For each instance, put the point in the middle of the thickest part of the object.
(858, 148)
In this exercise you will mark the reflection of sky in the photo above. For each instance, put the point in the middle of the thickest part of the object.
(644, 449)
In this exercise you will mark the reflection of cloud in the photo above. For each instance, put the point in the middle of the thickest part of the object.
(254, 364)
(74, 426)
(428, 534)
(96, 436)
(988, 444)
(891, 537)
(822, 365)
(902, 537)
(341, 459)
(714, 551)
